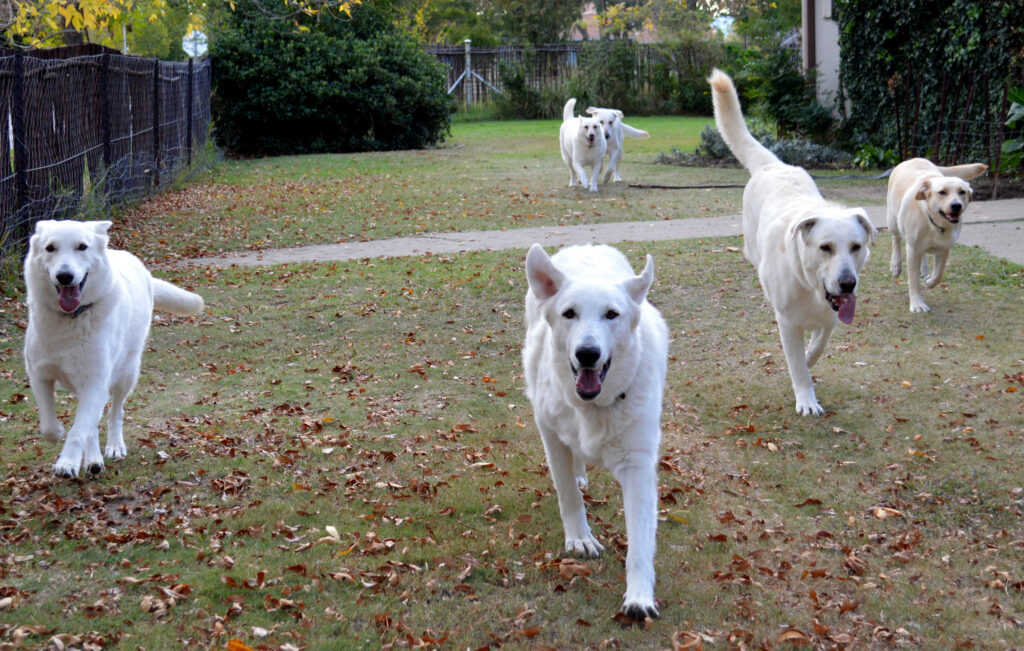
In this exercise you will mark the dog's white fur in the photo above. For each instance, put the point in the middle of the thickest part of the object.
(615, 131)
(595, 360)
(583, 146)
(89, 311)
(808, 252)
(924, 206)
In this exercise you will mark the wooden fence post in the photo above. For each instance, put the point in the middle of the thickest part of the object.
(20, 143)
(469, 75)
(156, 123)
(188, 119)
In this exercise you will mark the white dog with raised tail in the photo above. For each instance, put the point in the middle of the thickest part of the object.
(583, 146)
(808, 252)
(89, 311)
(594, 359)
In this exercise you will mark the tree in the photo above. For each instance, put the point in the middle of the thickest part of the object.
(537, 21)
(49, 23)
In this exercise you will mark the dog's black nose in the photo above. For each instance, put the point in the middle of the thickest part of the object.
(956, 208)
(587, 356)
(847, 283)
(65, 278)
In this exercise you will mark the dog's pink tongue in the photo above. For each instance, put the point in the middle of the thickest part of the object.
(847, 305)
(70, 297)
(588, 381)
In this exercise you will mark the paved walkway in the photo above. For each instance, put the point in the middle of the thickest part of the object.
(996, 226)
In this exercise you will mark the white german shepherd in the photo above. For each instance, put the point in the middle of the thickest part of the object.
(595, 359)
(615, 131)
(808, 252)
(583, 145)
(89, 310)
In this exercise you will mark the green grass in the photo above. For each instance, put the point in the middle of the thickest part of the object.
(383, 399)
(489, 175)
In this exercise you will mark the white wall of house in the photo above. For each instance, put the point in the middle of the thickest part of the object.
(821, 33)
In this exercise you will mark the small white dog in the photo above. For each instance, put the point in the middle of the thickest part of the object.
(583, 146)
(89, 310)
(595, 359)
(924, 206)
(808, 252)
(615, 130)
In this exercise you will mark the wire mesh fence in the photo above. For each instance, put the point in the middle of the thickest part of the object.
(86, 121)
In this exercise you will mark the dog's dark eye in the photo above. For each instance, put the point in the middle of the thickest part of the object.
(942, 193)
(855, 248)
(962, 192)
(611, 314)
(50, 248)
(83, 246)
(569, 314)
(827, 248)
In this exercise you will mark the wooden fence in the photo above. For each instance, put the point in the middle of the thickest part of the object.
(87, 119)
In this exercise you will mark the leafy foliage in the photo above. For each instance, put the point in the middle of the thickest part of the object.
(345, 85)
(712, 150)
(1013, 149)
(926, 77)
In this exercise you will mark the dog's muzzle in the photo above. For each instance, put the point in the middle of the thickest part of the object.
(589, 379)
(69, 295)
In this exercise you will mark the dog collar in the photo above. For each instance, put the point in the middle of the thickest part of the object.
(79, 310)
(941, 229)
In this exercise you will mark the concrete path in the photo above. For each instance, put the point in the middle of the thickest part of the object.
(996, 226)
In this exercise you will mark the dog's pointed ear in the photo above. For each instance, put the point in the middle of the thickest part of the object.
(100, 228)
(862, 216)
(638, 286)
(591, 110)
(923, 190)
(543, 276)
(617, 113)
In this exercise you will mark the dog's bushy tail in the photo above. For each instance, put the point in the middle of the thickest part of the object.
(569, 110)
(633, 132)
(965, 172)
(174, 299)
(729, 120)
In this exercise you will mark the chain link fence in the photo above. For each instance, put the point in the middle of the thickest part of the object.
(87, 122)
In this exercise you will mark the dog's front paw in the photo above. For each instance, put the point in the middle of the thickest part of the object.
(115, 451)
(809, 407)
(66, 468)
(584, 546)
(51, 433)
(918, 305)
(930, 282)
(640, 609)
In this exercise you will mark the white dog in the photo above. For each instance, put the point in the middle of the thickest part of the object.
(615, 130)
(583, 146)
(595, 359)
(807, 251)
(89, 310)
(924, 205)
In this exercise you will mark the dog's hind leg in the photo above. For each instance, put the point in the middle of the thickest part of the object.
(639, 499)
(938, 267)
(82, 444)
(793, 346)
(578, 538)
(819, 338)
(116, 448)
(49, 427)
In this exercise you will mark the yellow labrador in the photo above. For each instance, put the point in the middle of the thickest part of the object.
(924, 205)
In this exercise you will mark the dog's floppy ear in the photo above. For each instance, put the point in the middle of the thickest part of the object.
(923, 191)
(591, 110)
(545, 279)
(804, 226)
(638, 287)
(861, 216)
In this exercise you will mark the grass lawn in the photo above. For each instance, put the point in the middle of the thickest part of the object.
(341, 456)
(487, 176)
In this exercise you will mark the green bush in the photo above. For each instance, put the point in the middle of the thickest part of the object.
(343, 86)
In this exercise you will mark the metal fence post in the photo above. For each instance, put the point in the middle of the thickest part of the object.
(188, 118)
(103, 99)
(20, 143)
(469, 75)
(156, 123)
